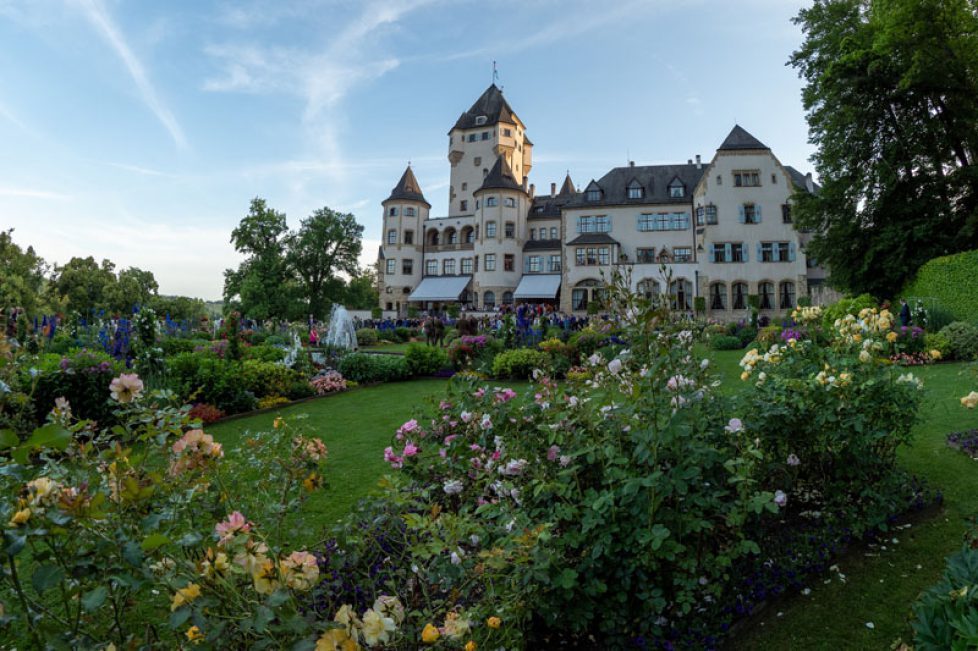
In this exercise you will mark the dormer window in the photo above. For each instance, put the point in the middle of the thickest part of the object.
(676, 189)
(593, 195)
(480, 120)
(635, 190)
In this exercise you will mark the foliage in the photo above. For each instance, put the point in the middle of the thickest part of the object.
(519, 363)
(939, 342)
(949, 280)
(205, 413)
(365, 368)
(327, 383)
(263, 379)
(196, 378)
(367, 336)
(963, 340)
(82, 379)
(936, 317)
(265, 353)
(726, 342)
(768, 335)
(848, 305)
(425, 360)
(946, 615)
(21, 275)
(891, 97)
(326, 243)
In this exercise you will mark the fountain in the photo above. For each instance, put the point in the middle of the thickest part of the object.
(340, 333)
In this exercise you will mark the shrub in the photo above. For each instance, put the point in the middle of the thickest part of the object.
(329, 382)
(944, 615)
(769, 335)
(951, 280)
(272, 401)
(365, 368)
(849, 305)
(367, 337)
(265, 353)
(403, 334)
(725, 342)
(746, 334)
(275, 340)
(196, 378)
(83, 379)
(963, 339)
(939, 342)
(205, 413)
(173, 345)
(518, 363)
(585, 342)
(266, 378)
(935, 318)
(425, 360)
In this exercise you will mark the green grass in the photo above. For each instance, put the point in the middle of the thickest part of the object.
(387, 348)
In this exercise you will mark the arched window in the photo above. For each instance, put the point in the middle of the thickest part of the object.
(649, 289)
(765, 291)
(507, 298)
(489, 300)
(740, 296)
(787, 294)
(718, 296)
(468, 235)
(681, 293)
(451, 236)
(433, 238)
(585, 292)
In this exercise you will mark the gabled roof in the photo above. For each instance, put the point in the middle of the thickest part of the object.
(492, 105)
(799, 179)
(500, 177)
(407, 189)
(654, 179)
(740, 139)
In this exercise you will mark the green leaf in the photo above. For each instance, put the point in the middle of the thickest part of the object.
(14, 542)
(51, 435)
(94, 599)
(8, 439)
(132, 553)
(153, 542)
(46, 577)
(179, 617)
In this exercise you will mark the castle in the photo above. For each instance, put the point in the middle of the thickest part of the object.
(722, 229)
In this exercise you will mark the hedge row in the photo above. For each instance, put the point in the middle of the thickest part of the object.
(951, 281)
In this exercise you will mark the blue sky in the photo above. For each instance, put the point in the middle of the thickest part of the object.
(139, 131)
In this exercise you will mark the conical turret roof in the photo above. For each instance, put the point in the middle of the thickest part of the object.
(500, 177)
(491, 105)
(567, 189)
(407, 189)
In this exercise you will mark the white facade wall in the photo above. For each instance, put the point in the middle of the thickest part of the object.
(393, 285)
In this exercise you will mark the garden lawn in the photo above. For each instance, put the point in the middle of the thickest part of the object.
(400, 347)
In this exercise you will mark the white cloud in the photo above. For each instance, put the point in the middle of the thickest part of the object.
(101, 20)
(30, 193)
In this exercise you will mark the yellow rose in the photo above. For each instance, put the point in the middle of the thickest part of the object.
(891, 336)
(744, 376)
(865, 357)
(430, 634)
(185, 595)
(20, 517)
(494, 622)
(194, 634)
(935, 354)
(471, 645)
(857, 338)
(336, 639)
(970, 400)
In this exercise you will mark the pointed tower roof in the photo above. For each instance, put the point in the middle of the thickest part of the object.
(407, 189)
(492, 106)
(567, 189)
(500, 177)
(740, 139)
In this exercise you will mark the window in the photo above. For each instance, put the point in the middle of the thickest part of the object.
(510, 229)
(491, 202)
(508, 132)
(490, 229)
(434, 239)
(579, 299)
(448, 267)
(533, 233)
(468, 235)
(593, 255)
(463, 205)
(700, 216)
(392, 236)
(635, 190)
(409, 237)
(787, 294)
(451, 237)
(711, 214)
(594, 224)
(472, 136)
(785, 213)
(465, 186)
(477, 161)
(553, 263)
(747, 179)
(740, 296)
(750, 214)
(766, 292)
(534, 264)
(682, 254)
(407, 266)
(391, 266)
(681, 294)
(593, 195)
(718, 296)
(490, 262)
(728, 252)
(719, 180)
(393, 211)
(553, 232)
(677, 191)
(507, 298)
(649, 289)
(663, 221)
(485, 172)
(480, 120)
(466, 265)
(645, 256)
(409, 212)
(489, 300)
(774, 179)
(475, 264)
(776, 252)
(431, 268)
(510, 202)
(485, 135)
(509, 262)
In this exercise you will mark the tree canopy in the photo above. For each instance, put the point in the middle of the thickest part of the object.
(891, 97)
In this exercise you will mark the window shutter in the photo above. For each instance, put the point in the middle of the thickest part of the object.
(526, 264)
(728, 252)
(776, 252)
(791, 251)
(579, 224)
(743, 218)
(760, 254)
(757, 213)
(713, 254)
(743, 250)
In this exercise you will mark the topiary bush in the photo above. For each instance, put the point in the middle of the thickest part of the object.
(951, 280)
(367, 337)
(365, 368)
(963, 338)
(725, 342)
(425, 360)
(519, 363)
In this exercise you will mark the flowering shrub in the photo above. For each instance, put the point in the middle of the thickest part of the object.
(82, 378)
(205, 413)
(272, 401)
(329, 382)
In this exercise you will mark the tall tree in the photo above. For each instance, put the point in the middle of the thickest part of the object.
(21, 275)
(133, 287)
(891, 97)
(326, 243)
(261, 285)
(361, 291)
(84, 283)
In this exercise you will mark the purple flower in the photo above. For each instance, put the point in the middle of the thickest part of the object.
(735, 425)
(553, 452)
(793, 460)
(780, 498)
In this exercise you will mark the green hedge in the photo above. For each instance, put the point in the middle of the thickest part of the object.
(951, 281)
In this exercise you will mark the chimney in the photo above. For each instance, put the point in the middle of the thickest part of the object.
(689, 161)
(699, 162)
(809, 183)
(631, 163)
(533, 190)
(553, 190)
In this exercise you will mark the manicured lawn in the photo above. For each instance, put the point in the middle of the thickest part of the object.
(387, 348)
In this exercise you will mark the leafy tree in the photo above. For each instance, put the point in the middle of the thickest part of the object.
(892, 104)
(133, 287)
(361, 291)
(327, 242)
(179, 308)
(21, 275)
(84, 283)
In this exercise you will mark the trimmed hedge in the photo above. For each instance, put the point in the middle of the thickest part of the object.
(950, 280)
(726, 342)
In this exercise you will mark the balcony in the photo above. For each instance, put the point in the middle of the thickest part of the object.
(437, 248)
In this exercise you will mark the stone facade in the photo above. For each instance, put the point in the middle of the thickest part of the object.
(719, 230)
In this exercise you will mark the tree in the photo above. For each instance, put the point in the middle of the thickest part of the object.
(361, 291)
(133, 287)
(21, 275)
(891, 98)
(84, 284)
(327, 242)
(179, 308)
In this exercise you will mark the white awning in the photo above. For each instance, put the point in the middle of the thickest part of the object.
(440, 288)
(538, 286)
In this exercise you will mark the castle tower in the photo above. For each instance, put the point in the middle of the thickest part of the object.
(487, 131)
(501, 210)
(401, 248)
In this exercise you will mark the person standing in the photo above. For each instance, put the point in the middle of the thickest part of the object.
(904, 313)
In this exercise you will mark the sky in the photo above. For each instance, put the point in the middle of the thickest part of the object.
(140, 131)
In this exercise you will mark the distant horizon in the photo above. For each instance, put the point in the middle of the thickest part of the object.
(140, 133)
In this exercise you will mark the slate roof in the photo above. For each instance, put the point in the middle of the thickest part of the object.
(593, 238)
(739, 139)
(500, 177)
(799, 179)
(547, 207)
(654, 179)
(492, 105)
(408, 189)
(542, 245)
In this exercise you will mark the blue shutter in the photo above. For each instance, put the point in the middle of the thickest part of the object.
(775, 252)
(609, 224)
(757, 213)
(728, 252)
(791, 251)
(713, 254)
(743, 250)
(743, 218)
(760, 255)
(526, 264)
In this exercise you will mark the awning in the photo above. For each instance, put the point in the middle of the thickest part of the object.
(440, 288)
(538, 286)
